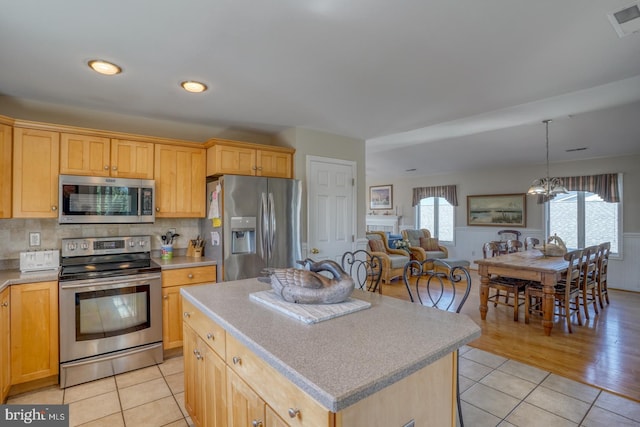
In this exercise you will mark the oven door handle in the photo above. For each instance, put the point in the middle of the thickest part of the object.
(129, 280)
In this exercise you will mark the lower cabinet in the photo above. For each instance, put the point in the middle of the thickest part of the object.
(34, 331)
(205, 376)
(172, 281)
(227, 385)
(5, 361)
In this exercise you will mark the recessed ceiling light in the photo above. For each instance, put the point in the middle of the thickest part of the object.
(194, 87)
(104, 67)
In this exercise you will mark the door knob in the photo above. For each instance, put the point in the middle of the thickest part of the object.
(315, 251)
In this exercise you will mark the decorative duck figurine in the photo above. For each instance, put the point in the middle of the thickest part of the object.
(309, 286)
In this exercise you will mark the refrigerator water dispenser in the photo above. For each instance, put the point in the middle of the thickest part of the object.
(243, 234)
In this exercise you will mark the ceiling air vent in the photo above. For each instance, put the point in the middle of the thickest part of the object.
(626, 21)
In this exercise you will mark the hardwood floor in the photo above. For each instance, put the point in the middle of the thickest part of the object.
(603, 352)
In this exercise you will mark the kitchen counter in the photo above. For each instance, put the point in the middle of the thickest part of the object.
(183, 262)
(15, 277)
(343, 360)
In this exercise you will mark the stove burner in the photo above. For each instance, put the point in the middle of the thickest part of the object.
(105, 257)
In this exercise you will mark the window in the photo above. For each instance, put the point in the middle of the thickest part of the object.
(436, 215)
(583, 219)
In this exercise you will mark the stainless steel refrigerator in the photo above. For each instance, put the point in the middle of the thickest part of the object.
(259, 227)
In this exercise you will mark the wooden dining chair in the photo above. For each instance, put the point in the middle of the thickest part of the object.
(444, 291)
(365, 268)
(530, 243)
(511, 286)
(514, 246)
(509, 234)
(566, 295)
(603, 266)
(589, 279)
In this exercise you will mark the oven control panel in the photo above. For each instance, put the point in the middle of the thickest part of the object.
(105, 245)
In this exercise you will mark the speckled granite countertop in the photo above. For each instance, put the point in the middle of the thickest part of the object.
(15, 277)
(183, 262)
(343, 360)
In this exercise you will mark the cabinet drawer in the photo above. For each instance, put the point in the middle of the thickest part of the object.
(207, 329)
(188, 276)
(278, 392)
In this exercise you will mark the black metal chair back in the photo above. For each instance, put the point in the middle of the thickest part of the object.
(434, 288)
(365, 268)
(439, 290)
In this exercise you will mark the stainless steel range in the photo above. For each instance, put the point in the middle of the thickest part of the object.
(110, 308)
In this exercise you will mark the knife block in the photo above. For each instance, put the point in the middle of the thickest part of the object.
(194, 252)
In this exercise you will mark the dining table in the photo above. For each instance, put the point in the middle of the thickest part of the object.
(530, 265)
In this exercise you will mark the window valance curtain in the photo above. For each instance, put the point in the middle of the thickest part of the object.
(446, 191)
(605, 186)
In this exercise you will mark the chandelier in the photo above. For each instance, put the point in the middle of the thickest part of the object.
(547, 186)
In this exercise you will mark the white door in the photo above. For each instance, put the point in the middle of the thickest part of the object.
(331, 208)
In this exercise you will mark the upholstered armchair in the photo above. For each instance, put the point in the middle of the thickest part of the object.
(393, 260)
(423, 246)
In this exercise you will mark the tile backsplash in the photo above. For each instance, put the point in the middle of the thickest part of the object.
(14, 233)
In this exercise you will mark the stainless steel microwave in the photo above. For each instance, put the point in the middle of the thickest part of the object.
(103, 200)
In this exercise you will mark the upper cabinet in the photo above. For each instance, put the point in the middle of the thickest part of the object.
(274, 163)
(102, 156)
(244, 158)
(6, 132)
(131, 159)
(36, 156)
(180, 181)
(84, 155)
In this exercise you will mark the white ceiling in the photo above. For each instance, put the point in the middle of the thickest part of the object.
(435, 85)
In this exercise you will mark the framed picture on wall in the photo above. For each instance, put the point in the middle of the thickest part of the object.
(497, 209)
(381, 196)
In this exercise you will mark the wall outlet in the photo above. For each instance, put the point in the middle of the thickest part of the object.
(34, 239)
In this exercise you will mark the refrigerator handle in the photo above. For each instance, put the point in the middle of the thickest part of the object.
(264, 226)
(272, 224)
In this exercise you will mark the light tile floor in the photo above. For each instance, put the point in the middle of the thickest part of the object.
(495, 392)
(502, 392)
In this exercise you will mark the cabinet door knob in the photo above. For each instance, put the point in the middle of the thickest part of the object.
(210, 336)
(186, 314)
(166, 297)
(157, 209)
(293, 412)
(236, 360)
(256, 423)
(190, 276)
(115, 168)
(54, 208)
(315, 251)
(5, 304)
(106, 167)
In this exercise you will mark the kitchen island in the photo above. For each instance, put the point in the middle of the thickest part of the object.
(385, 365)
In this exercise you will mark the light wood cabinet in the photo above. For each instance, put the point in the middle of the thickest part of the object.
(255, 392)
(84, 155)
(172, 281)
(245, 406)
(6, 136)
(131, 159)
(180, 181)
(35, 173)
(34, 331)
(244, 158)
(205, 377)
(5, 355)
(275, 164)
